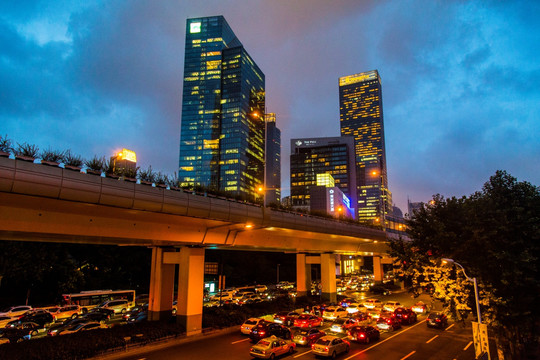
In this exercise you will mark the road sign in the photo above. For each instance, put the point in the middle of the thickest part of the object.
(481, 342)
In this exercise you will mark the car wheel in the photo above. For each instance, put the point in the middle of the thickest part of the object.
(347, 349)
(334, 355)
(272, 356)
(291, 350)
(368, 339)
(34, 333)
(123, 311)
(74, 316)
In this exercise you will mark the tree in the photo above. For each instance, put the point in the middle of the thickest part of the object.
(495, 235)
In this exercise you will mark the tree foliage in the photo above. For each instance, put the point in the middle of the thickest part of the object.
(494, 234)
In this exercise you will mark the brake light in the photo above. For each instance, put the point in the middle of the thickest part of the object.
(388, 321)
(313, 346)
(437, 320)
(362, 336)
(405, 316)
(262, 332)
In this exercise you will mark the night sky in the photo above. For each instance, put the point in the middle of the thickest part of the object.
(460, 79)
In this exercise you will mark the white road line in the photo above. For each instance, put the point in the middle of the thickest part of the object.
(302, 354)
(449, 327)
(403, 358)
(466, 347)
(433, 338)
(239, 341)
(380, 342)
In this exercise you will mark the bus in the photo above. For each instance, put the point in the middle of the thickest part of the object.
(88, 300)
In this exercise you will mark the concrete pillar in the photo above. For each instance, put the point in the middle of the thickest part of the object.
(328, 277)
(161, 286)
(191, 289)
(303, 275)
(378, 272)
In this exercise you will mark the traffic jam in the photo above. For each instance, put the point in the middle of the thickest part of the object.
(331, 331)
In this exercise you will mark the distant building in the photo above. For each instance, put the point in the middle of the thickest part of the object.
(329, 155)
(396, 212)
(412, 206)
(329, 199)
(124, 162)
(361, 116)
(272, 160)
(222, 132)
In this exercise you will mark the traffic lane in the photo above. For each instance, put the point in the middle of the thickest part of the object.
(419, 342)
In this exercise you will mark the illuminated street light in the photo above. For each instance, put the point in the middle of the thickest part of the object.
(451, 261)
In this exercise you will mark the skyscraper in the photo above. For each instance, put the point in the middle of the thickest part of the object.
(273, 160)
(316, 156)
(223, 130)
(361, 116)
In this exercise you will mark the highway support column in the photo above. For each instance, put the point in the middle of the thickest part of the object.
(328, 277)
(161, 286)
(303, 276)
(191, 289)
(378, 271)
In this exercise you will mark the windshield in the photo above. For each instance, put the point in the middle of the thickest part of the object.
(250, 322)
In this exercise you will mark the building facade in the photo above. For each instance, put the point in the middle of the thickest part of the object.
(327, 198)
(313, 156)
(272, 182)
(361, 116)
(223, 131)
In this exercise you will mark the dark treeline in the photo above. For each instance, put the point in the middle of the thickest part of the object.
(39, 273)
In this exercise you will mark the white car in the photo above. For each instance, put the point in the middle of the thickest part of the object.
(355, 307)
(15, 311)
(4, 320)
(392, 305)
(249, 324)
(271, 347)
(372, 303)
(334, 312)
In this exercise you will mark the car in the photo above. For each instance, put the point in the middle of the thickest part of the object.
(118, 306)
(341, 325)
(55, 329)
(249, 298)
(392, 305)
(378, 289)
(388, 323)
(65, 312)
(99, 314)
(372, 303)
(405, 316)
(135, 311)
(38, 316)
(140, 317)
(307, 320)
(365, 334)
(285, 317)
(330, 346)
(249, 324)
(361, 318)
(21, 331)
(261, 288)
(4, 320)
(307, 337)
(345, 302)
(334, 312)
(437, 319)
(266, 329)
(15, 311)
(355, 307)
(92, 325)
(420, 308)
(270, 347)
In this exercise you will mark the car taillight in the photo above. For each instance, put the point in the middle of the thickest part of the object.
(388, 321)
(437, 320)
(313, 346)
(362, 336)
(304, 338)
(405, 316)
(326, 349)
(262, 332)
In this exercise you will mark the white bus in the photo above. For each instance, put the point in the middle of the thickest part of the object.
(88, 300)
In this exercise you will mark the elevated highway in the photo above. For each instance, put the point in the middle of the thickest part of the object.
(50, 203)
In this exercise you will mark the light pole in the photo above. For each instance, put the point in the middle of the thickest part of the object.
(451, 261)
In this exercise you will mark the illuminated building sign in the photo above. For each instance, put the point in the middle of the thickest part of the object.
(346, 201)
(331, 192)
(306, 143)
(356, 78)
(195, 27)
(127, 155)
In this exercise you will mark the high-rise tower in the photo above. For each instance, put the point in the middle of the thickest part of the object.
(273, 161)
(223, 129)
(361, 116)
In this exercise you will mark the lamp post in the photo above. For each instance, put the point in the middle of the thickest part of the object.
(451, 261)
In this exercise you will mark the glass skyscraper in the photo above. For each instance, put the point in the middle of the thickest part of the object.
(361, 116)
(223, 129)
(273, 160)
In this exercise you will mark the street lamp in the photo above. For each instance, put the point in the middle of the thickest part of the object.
(451, 261)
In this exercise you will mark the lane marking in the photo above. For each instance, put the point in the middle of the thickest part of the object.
(381, 342)
(433, 338)
(466, 347)
(239, 341)
(450, 327)
(403, 358)
(302, 354)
